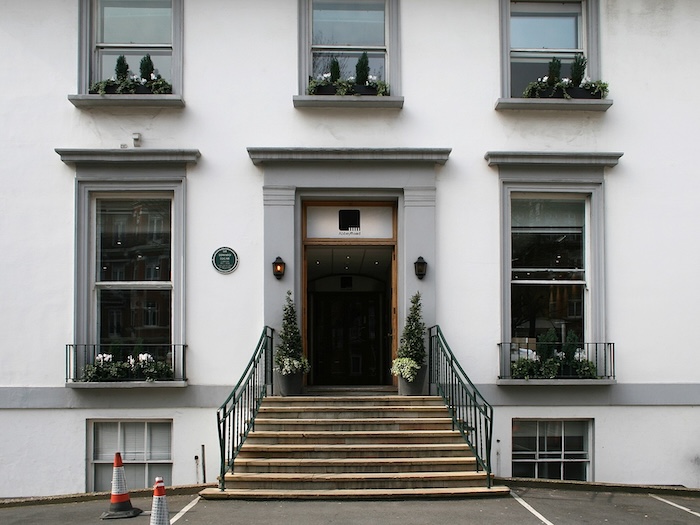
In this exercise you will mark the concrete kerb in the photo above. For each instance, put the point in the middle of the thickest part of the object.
(91, 496)
(588, 486)
(509, 482)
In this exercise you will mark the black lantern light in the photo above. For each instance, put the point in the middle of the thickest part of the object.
(421, 267)
(278, 267)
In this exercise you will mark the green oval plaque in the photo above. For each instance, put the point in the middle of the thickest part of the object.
(225, 260)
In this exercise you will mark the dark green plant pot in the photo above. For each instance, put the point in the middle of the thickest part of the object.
(415, 387)
(290, 384)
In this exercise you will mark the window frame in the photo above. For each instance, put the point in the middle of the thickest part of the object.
(93, 462)
(562, 459)
(392, 64)
(590, 38)
(88, 63)
(87, 283)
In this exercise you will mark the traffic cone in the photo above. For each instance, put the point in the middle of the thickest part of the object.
(120, 503)
(159, 508)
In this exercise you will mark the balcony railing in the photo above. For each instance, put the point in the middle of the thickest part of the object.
(538, 360)
(99, 363)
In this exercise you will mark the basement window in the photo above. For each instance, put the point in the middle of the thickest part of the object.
(552, 449)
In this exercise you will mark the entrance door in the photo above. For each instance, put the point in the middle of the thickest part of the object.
(349, 321)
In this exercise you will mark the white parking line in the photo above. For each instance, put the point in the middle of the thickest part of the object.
(184, 511)
(529, 508)
(676, 505)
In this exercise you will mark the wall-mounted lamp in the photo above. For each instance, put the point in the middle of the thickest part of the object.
(278, 267)
(421, 267)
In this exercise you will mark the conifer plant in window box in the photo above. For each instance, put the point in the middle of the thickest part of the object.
(554, 86)
(149, 82)
(362, 83)
(409, 365)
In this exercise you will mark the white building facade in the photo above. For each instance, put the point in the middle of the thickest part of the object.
(139, 229)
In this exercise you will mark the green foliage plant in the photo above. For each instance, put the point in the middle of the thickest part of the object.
(578, 69)
(147, 68)
(335, 70)
(554, 73)
(411, 354)
(362, 69)
(289, 355)
(121, 70)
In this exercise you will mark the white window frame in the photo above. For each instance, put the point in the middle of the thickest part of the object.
(88, 54)
(587, 461)
(391, 15)
(589, 37)
(120, 447)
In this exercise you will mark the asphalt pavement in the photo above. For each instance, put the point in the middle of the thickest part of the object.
(525, 506)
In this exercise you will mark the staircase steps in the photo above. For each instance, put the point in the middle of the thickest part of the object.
(354, 446)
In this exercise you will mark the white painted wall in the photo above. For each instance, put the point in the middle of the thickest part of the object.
(238, 87)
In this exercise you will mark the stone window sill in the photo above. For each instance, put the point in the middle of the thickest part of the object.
(125, 384)
(127, 101)
(555, 382)
(347, 101)
(557, 104)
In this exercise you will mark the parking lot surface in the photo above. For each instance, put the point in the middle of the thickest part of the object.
(525, 506)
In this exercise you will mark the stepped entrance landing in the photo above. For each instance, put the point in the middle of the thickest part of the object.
(355, 446)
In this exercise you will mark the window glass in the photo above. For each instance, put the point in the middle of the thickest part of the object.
(133, 234)
(142, 317)
(554, 31)
(346, 23)
(344, 30)
(135, 22)
(547, 267)
(550, 449)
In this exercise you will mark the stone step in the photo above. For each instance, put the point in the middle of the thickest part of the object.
(317, 411)
(366, 480)
(399, 437)
(345, 424)
(354, 400)
(356, 465)
(251, 450)
(355, 494)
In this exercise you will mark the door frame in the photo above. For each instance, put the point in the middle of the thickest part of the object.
(359, 242)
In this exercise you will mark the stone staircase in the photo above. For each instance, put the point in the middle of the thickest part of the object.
(359, 447)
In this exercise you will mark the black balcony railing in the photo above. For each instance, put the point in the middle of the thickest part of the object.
(122, 363)
(539, 360)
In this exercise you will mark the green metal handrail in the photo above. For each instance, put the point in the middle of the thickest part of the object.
(470, 412)
(236, 416)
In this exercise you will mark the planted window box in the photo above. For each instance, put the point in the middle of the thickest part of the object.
(124, 82)
(554, 86)
(362, 83)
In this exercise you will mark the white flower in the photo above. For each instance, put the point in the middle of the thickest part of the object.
(103, 358)
(145, 358)
(131, 361)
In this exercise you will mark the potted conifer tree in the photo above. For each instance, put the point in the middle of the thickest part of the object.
(409, 365)
(289, 361)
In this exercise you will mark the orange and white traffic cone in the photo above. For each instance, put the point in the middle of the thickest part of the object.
(159, 508)
(120, 503)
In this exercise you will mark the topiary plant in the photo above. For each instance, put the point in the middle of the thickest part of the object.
(554, 72)
(147, 68)
(121, 70)
(362, 69)
(335, 70)
(578, 69)
(289, 355)
(412, 344)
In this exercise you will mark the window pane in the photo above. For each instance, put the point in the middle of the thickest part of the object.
(162, 62)
(103, 477)
(535, 309)
(543, 213)
(106, 441)
(159, 441)
(163, 470)
(135, 22)
(575, 471)
(550, 438)
(131, 317)
(544, 31)
(523, 470)
(345, 23)
(549, 470)
(524, 437)
(135, 475)
(131, 235)
(347, 61)
(134, 442)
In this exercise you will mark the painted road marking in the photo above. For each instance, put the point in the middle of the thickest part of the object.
(676, 505)
(184, 511)
(530, 509)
